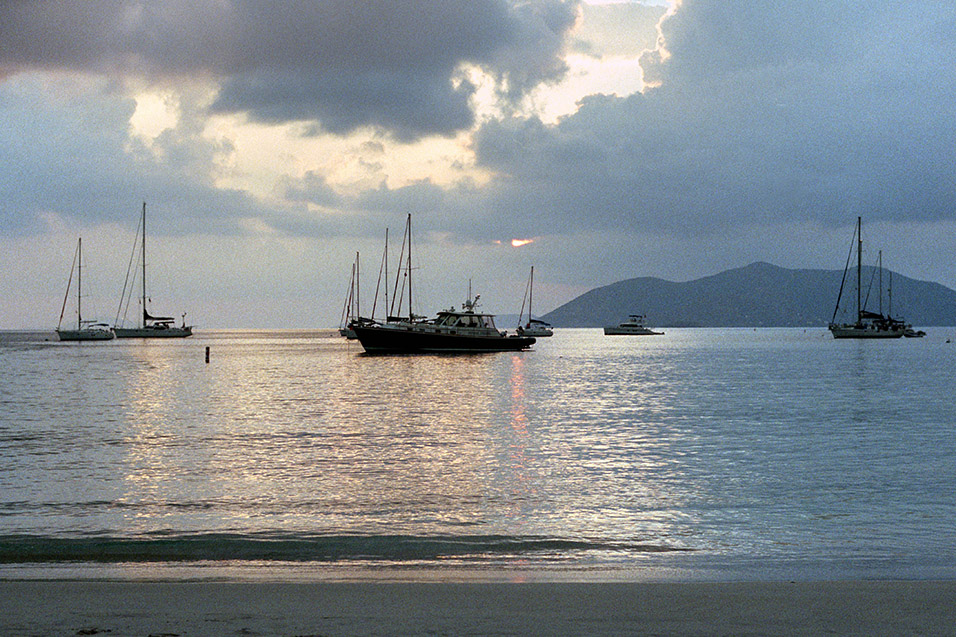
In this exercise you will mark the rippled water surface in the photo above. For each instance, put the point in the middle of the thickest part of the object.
(700, 454)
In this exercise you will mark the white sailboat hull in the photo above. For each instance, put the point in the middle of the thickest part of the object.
(537, 332)
(855, 331)
(85, 335)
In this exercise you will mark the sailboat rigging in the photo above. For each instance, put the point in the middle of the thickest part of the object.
(149, 326)
(85, 330)
(533, 327)
(868, 324)
(351, 312)
(403, 278)
(465, 330)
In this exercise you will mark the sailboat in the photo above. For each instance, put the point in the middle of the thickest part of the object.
(868, 324)
(452, 330)
(534, 327)
(85, 330)
(150, 326)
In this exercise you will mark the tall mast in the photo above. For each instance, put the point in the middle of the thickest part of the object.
(859, 269)
(889, 293)
(880, 261)
(398, 294)
(69, 283)
(530, 294)
(144, 264)
(79, 286)
(385, 266)
(409, 226)
(347, 314)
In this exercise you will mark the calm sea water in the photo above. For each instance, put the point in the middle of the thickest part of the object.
(701, 454)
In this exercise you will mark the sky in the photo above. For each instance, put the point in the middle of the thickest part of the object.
(595, 141)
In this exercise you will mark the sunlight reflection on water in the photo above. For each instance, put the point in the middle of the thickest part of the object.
(779, 443)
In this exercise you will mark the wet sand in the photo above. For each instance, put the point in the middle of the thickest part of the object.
(323, 608)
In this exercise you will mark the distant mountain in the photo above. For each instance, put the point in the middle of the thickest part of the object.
(757, 295)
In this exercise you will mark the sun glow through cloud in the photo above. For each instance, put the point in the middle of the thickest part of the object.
(155, 113)
(262, 168)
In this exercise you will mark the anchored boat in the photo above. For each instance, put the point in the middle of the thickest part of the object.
(635, 325)
(149, 326)
(85, 330)
(868, 324)
(534, 327)
(452, 330)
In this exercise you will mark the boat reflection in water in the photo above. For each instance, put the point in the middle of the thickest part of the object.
(452, 330)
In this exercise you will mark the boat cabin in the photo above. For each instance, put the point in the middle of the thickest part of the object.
(456, 319)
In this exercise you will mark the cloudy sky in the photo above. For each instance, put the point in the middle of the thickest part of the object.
(273, 141)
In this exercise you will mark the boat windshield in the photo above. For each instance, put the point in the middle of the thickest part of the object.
(467, 320)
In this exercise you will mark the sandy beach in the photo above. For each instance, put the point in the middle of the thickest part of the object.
(214, 609)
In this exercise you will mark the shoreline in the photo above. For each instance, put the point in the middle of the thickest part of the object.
(871, 607)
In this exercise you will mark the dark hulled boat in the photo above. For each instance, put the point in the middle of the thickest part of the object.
(452, 330)
(868, 324)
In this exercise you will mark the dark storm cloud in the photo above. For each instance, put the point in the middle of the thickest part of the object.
(344, 100)
(763, 113)
(344, 63)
